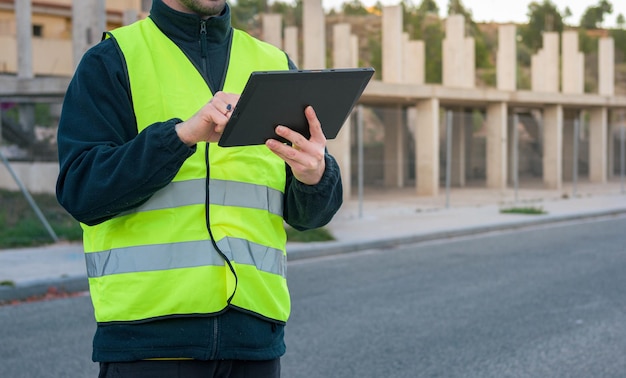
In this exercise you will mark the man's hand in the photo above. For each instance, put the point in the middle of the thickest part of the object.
(305, 157)
(208, 123)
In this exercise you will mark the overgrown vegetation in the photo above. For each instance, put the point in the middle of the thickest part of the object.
(20, 226)
(531, 210)
(315, 235)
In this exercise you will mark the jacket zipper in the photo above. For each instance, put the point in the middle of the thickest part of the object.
(204, 46)
(216, 334)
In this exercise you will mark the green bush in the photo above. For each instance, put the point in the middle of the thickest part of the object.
(314, 235)
(524, 210)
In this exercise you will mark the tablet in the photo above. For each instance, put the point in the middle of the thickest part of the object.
(272, 98)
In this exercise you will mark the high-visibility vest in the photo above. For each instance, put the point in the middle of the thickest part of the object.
(214, 237)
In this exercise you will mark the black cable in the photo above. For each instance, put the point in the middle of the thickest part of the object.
(208, 223)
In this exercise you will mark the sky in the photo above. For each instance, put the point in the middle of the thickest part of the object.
(508, 10)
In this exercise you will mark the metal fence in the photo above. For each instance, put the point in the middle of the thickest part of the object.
(467, 168)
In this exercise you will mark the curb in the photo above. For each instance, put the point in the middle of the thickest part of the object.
(37, 288)
(302, 252)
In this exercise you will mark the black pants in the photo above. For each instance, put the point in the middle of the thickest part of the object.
(191, 369)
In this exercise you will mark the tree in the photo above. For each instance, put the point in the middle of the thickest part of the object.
(482, 52)
(541, 17)
(354, 8)
(567, 13)
(456, 7)
(619, 36)
(245, 13)
(428, 6)
(594, 15)
(433, 35)
(291, 12)
(620, 21)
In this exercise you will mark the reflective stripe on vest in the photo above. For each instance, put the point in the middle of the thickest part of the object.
(158, 260)
(226, 193)
(191, 254)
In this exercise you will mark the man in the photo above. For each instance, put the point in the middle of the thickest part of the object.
(185, 240)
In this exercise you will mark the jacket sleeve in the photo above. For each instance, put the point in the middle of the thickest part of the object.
(105, 166)
(313, 206)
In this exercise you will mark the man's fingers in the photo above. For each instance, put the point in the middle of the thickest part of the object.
(297, 140)
(225, 102)
(315, 127)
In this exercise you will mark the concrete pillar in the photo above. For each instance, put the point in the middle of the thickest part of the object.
(545, 65)
(573, 80)
(506, 60)
(342, 45)
(458, 54)
(291, 44)
(567, 171)
(130, 16)
(392, 53)
(551, 51)
(88, 24)
(427, 147)
(414, 62)
(314, 35)
(405, 57)
(553, 146)
(458, 148)
(392, 72)
(453, 51)
(340, 146)
(394, 148)
(272, 29)
(598, 140)
(354, 46)
(497, 121)
(606, 66)
(511, 126)
(469, 140)
(23, 18)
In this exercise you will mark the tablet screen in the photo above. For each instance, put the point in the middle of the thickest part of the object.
(272, 98)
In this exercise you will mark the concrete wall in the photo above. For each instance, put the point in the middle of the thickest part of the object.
(111, 5)
(50, 56)
(52, 52)
(37, 177)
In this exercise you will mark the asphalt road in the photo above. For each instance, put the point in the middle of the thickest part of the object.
(545, 302)
(548, 302)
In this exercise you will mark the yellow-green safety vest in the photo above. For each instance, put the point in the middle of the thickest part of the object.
(161, 259)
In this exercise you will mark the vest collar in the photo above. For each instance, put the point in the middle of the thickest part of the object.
(186, 27)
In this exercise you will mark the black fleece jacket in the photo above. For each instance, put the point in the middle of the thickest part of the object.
(107, 167)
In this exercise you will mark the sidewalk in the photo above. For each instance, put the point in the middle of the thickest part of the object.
(379, 220)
